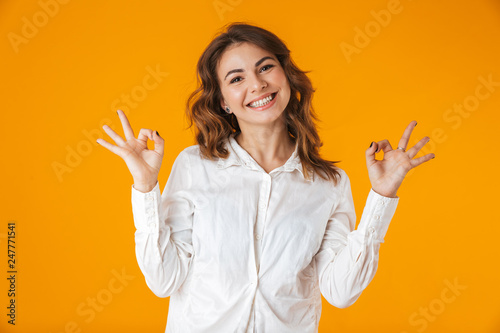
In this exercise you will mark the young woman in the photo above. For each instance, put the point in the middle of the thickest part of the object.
(253, 226)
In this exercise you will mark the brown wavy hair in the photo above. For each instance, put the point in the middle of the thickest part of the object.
(213, 124)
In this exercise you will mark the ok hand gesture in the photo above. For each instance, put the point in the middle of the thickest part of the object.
(144, 164)
(387, 175)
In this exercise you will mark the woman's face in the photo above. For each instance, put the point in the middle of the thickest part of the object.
(249, 74)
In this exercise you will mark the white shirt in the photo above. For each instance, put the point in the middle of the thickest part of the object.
(238, 249)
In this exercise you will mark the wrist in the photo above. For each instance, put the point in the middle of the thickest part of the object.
(144, 187)
(384, 194)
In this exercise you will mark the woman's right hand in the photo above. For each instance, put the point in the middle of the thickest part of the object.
(144, 164)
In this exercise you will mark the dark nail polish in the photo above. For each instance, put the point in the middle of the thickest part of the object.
(157, 133)
(415, 125)
(371, 144)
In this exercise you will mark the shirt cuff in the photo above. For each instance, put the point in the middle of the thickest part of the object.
(377, 214)
(145, 208)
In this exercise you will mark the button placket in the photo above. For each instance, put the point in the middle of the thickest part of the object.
(263, 204)
(375, 217)
(377, 214)
(151, 212)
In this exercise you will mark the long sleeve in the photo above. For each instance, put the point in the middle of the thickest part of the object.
(348, 259)
(163, 237)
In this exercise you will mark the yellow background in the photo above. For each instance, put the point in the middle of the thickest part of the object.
(75, 228)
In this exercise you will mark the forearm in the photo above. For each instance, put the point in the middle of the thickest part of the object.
(350, 271)
(163, 265)
(162, 254)
(348, 259)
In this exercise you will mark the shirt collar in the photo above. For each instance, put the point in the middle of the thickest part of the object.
(239, 156)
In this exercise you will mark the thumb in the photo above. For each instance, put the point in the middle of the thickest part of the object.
(159, 143)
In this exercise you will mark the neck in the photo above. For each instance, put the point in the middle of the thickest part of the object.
(267, 145)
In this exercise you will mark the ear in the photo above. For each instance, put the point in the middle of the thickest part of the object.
(222, 104)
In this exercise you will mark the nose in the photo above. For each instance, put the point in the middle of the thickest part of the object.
(257, 83)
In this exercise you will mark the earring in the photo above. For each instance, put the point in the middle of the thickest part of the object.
(228, 110)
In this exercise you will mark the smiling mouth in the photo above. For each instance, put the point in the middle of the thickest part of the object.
(262, 102)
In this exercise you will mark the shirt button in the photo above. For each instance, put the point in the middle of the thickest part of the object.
(380, 202)
(150, 211)
(150, 198)
(376, 217)
(371, 230)
(257, 236)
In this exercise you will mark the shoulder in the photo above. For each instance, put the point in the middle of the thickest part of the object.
(193, 156)
(344, 180)
(343, 176)
(194, 153)
(335, 188)
(191, 151)
(340, 178)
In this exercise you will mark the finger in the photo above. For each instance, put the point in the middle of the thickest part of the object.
(383, 145)
(118, 139)
(370, 154)
(403, 142)
(144, 135)
(417, 161)
(114, 149)
(416, 148)
(159, 143)
(127, 129)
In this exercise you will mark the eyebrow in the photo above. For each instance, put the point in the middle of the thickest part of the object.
(239, 70)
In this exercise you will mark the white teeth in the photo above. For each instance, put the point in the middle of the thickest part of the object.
(262, 102)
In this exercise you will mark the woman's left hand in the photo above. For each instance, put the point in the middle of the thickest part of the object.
(387, 175)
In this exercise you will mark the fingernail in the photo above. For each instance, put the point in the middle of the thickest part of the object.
(415, 125)
(157, 133)
(371, 144)
(433, 156)
(97, 141)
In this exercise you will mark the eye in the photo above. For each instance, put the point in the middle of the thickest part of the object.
(267, 66)
(233, 80)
